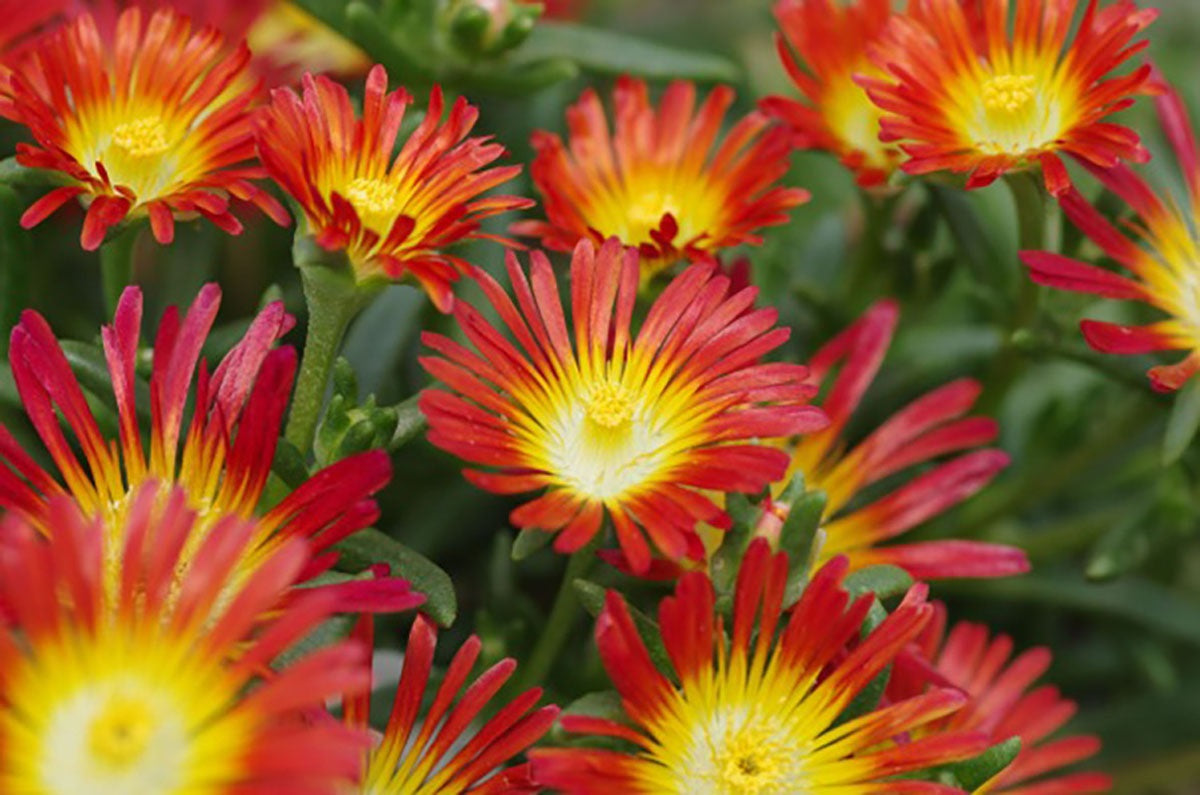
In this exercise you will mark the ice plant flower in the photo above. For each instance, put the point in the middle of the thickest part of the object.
(155, 687)
(393, 216)
(756, 713)
(435, 751)
(654, 181)
(823, 45)
(1000, 704)
(964, 94)
(931, 426)
(617, 424)
(1164, 257)
(221, 460)
(287, 41)
(19, 20)
(139, 123)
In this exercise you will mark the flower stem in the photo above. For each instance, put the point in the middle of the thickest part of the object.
(116, 264)
(333, 299)
(561, 621)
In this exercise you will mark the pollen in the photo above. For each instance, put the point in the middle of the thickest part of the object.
(143, 137)
(1008, 94)
(121, 732)
(610, 406)
(752, 764)
(378, 202)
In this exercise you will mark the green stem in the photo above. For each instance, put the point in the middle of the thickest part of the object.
(870, 251)
(561, 621)
(116, 264)
(333, 299)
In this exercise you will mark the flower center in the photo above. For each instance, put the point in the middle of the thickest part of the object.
(121, 732)
(144, 137)
(646, 212)
(751, 763)
(610, 406)
(1007, 95)
(377, 201)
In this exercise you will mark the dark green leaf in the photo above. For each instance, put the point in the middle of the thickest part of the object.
(975, 772)
(883, 581)
(1182, 423)
(410, 422)
(370, 546)
(1122, 548)
(591, 596)
(530, 541)
(326, 633)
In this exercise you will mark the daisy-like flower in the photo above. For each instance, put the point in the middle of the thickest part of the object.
(155, 686)
(617, 424)
(933, 425)
(140, 122)
(435, 752)
(287, 41)
(1000, 704)
(1164, 257)
(221, 460)
(757, 712)
(823, 45)
(393, 216)
(19, 19)
(654, 181)
(965, 94)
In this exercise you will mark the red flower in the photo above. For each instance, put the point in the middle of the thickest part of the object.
(929, 427)
(757, 712)
(652, 183)
(629, 426)
(221, 460)
(393, 216)
(965, 94)
(1000, 703)
(1163, 257)
(143, 123)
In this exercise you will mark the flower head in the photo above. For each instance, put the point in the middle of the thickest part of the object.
(222, 459)
(155, 686)
(140, 122)
(287, 41)
(20, 21)
(627, 425)
(653, 181)
(931, 426)
(433, 751)
(965, 94)
(757, 713)
(999, 703)
(393, 216)
(1163, 258)
(823, 45)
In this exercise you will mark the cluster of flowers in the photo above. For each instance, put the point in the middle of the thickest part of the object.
(146, 606)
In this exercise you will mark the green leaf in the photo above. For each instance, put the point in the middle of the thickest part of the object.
(325, 634)
(371, 546)
(1182, 423)
(370, 33)
(803, 520)
(884, 581)
(1121, 549)
(380, 335)
(977, 771)
(410, 422)
(867, 699)
(604, 704)
(608, 53)
(289, 464)
(529, 541)
(591, 596)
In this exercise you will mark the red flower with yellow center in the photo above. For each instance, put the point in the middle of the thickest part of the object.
(757, 713)
(654, 182)
(433, 751)
(964, 94)
(140, 122)
(157, 685)
(222, 460)
(830, 41)
(1000, 704)
(393, 216)
(1164, 259)
(929, 427)
(631, 426)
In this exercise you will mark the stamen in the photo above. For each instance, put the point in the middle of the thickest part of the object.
(144, 137)
(119, 734)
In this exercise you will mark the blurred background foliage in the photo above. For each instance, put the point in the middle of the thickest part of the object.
(1109, 523)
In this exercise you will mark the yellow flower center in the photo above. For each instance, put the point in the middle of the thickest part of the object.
(610, 406)
(377, 201)
(144, 137)
(751, 764)
(645, 214)
(1008, 95)
(120, 733)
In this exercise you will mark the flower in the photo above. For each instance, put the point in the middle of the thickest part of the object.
(20, 22)
(931, 426)
(287, 41)
(428, 752)
(140, 123)
(1164, 259)
(157, 686)
(1000, 703)
(227, 450)
(964, 94)
(830, 41)
(652, 183)
(392, 216)
(623, 425)
(761, 718)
